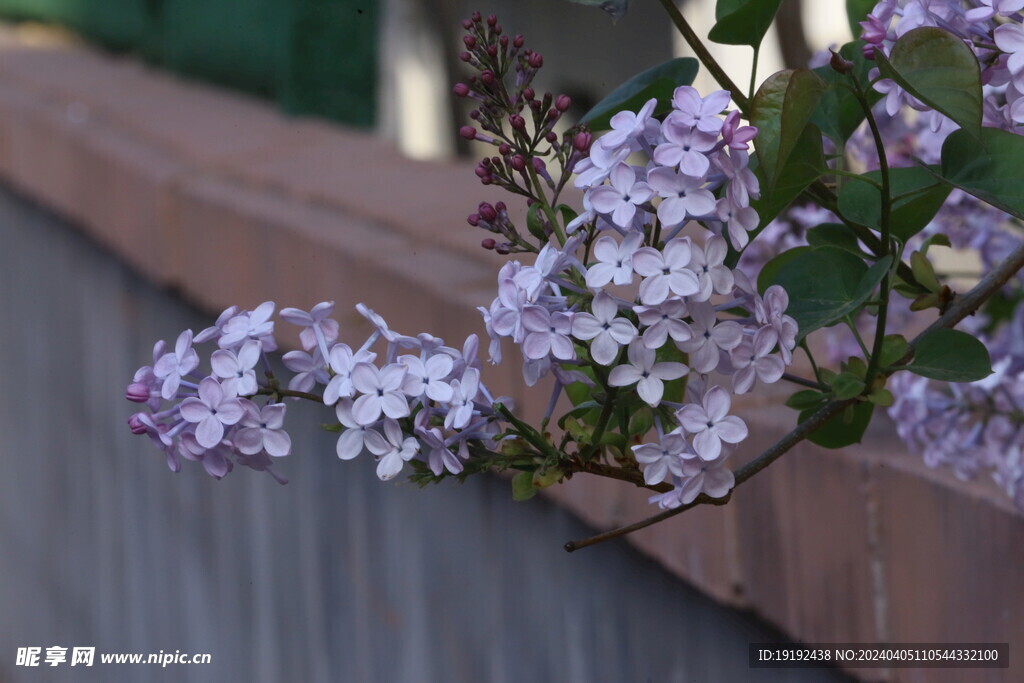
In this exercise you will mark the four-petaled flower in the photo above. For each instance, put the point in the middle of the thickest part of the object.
(428, 377)
(663, 458)
(171, 367)
(665, 272)
(237, 371)
(381, 392)
(211, 411)
(645, 373)
(393, 450)
(262, 429)
(547, 333)
(621, 198)
(711, 424)
(607, 331)
(615, 260)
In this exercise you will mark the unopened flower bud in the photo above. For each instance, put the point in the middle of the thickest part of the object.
(461, 89)
(504, 149)
(500, 207)
(535, 60)
(528, 93)
(476, 17)
(465, 56)
(518, 162)
(137, 392)
(517, 122)
(840, 63)
(469, 41)
(539, 165)
(552, 114)
(488, 243)
(492, 50)
(468, 132)
(581, 141)
(503, 41)
(467, 24)
(487, 212)
(473, 219)
(136, 425)
(487, 77)
(551, 137)
(563, 102)
(517, 42)
(492, 20)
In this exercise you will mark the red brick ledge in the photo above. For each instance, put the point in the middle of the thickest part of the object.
(230, 202)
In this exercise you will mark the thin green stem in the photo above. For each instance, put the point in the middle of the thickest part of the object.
(753, 72)
(713, 67)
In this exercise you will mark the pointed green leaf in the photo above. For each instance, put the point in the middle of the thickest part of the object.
(658, 82)
(919, 196)
(770, 271)
(951, 356)
(835, 235)
(894, 347)
(781, 110)
(522, 486)
(806, 400)
(844, 429)
(991, 171)
(937, 68)
(743, 22)
(847, 385)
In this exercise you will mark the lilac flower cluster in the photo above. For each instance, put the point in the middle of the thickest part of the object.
(426, 404)
(648, 289)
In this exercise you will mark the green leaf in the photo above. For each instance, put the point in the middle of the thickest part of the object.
(838, 113)
(991, 171)
(808, 399)
(951, 356)
(770, 271)
(919, 198)
(825, 284)
(882, 398)
(641, 421)
(743, 22)
(940, 70)
(781, 111)
(856, 12)
(844, 429)
(803, 167)
(835, 235)
(894, 347)
(522, 486)
(847, 385)
(544, 478)
(658, 82)
(535, 222)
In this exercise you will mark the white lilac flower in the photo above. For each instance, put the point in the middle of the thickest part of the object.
(648, 375)
(394, 450)
(211, 412)
(464, 391)
(427, 377)
(262, 429)
(743, 184)
(625, 127)
(343, 362)
(381, 391)
(439, 456)
(355, 437)
(237, 372)
(682, 196)
(317, 328)
(255, 324)
(710, 337)
(684, 148)
(662, 459)
(665, 272)
(614, 260)
(700, 112)
(770, 310)
(753, 359)
(663, 321)
(606, 331)
(594, 170)
(713, 276)
(622, 196)
(738, 220)
(171, 367)
(547, 333)
(711, 424)
(703, 476)
(309, 370)
(217, 329)
(506, 318)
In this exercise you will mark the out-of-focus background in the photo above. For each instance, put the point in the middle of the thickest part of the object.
(163, 159)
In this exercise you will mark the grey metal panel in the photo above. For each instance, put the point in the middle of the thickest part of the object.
(335, 577)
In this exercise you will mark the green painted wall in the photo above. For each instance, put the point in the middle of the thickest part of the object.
(314, 57)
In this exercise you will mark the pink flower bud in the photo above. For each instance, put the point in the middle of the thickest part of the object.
(488, 243)
(136, 425)
(551, 137)
(492, 20)
(517, 122)
(563, 102)
(504, 149)
(539, 165)
(468, 132)
(528, 93)
(518, 162)
(470, 41)
(487, 77)
(473, 219)
(137, 392)
(535, 60)
(517, 42)
(492, 50)
(475, 16)
(467, 24)
(487, 211)
(465, 56)
(581, 141)
(461, 89)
